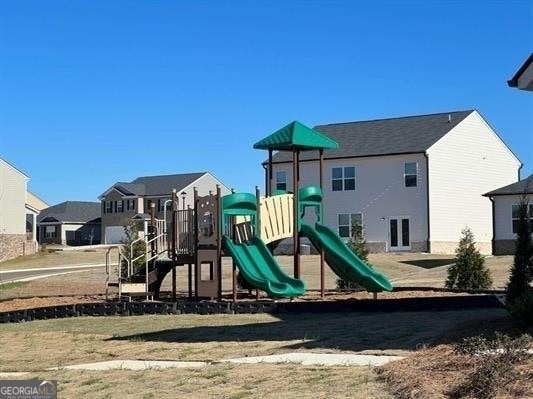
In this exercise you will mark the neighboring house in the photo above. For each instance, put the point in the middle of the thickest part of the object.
(70, 223)
(505, 203)
(14, 240)
(523, 78)
(412, 182)
(36, 205)
(124, 201)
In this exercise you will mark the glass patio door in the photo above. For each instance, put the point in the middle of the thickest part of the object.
(399, 234)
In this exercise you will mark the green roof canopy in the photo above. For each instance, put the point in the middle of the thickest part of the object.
(296, 136)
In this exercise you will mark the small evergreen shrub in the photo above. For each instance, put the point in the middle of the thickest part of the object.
(469, 270)
(522, 270)
(357, 244)
(521, 309)
(131, 232)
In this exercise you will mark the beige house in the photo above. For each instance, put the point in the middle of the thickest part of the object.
(15, 211)
(123, 201)
(412, 182)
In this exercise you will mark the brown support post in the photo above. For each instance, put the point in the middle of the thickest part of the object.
(174, 226)
(219, 241)
(234, 283)
(270, 173)
(321, 183)
(296, 236)
(195, 245)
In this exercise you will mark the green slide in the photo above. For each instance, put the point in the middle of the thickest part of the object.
(260, 269)
(347, 265)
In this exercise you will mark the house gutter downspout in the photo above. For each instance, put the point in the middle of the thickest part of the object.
(427, 203)
(493, 241)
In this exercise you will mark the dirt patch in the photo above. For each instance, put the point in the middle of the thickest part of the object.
(36, 302)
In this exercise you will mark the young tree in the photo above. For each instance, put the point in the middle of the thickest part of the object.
(130, 253)
(521, 272)
(468, 271)
(357, 244)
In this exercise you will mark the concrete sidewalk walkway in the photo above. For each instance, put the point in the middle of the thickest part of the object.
(321, 359)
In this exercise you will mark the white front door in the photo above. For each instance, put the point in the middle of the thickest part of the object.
(399, 234)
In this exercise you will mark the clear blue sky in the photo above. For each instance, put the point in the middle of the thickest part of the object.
(93, 92)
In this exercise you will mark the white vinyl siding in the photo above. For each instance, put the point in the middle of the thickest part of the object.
(467, 162)
(380, 194)
(13, 184)
(503, 215)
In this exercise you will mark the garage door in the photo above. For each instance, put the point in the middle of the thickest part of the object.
(114, 234)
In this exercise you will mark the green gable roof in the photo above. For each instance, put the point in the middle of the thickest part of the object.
(296, 136)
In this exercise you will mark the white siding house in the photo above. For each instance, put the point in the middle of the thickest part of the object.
(13, 210)
(123, 201)
(505, 202)
(414, 182)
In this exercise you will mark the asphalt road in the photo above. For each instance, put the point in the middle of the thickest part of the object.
(37, 273)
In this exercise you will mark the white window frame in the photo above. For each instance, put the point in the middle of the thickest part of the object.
(410, 175)
(50, 231)
(108, 207)
(281, 181)
(352, 222)
(343, 179)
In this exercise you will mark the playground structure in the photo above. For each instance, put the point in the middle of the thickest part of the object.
(241, 225)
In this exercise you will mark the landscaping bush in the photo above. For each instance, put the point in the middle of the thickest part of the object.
(522, 270)
(357, 244)
(469, 270)
(131, 231)
(521, 309)
(495, 361)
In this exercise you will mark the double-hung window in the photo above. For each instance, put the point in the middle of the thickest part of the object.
(108, 207)
(281, 180)
(343, 178)
(516, 217)
(50, 232)
(130, 205)
(350, 224)
(410, 174)
(119, 206)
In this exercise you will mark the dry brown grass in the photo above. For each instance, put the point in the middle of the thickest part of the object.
(222, 381)
(439, 372)
(36, 346)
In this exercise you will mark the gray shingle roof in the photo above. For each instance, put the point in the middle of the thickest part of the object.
(524, 186)
(410, 134)
(163, 185)
(72, 211)
(155, 185)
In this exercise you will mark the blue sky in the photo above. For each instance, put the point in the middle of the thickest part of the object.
(93, 92)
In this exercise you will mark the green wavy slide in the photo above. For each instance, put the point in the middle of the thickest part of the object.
(260, 269)
(341, 259)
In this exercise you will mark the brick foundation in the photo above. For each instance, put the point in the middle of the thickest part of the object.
(14, 245)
